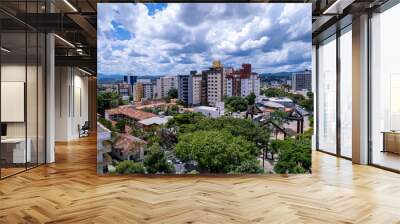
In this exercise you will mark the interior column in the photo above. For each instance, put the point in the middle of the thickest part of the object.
(360, 89)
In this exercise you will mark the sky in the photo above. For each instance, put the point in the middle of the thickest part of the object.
(175, 38)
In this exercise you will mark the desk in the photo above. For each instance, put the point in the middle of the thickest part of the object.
(13, 150)
(391, 141)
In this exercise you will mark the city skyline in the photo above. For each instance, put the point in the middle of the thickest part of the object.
(138, 38)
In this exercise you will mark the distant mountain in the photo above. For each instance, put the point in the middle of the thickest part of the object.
(116, 78)
(278, 74)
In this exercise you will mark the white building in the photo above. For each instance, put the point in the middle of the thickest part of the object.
(148, 90)
(249, 85)
(227, 72)
(213, 112)
(195, 89)
(215, 86)
(164, 85)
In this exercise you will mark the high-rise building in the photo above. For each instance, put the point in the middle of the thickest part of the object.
(130, 79)
(124, 90)
(138, 91)
(250, 84)
(301, 80)
(183, 88)
(233, 83)
(148, 90)
(243, 82)
(164, 85)
(194, 89)
(203, 97)
(215, 88)
(227, 72)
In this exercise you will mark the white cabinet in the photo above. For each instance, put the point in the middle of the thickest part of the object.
(19, 155)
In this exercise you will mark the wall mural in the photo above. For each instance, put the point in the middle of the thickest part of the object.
(195, 88)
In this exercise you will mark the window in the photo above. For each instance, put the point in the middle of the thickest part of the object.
(385, 89)
(327, 95)
(346, 93)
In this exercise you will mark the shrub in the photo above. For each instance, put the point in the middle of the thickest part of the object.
(129, 167)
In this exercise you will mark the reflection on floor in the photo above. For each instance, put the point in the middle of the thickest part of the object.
(387, 159)
(10, 171)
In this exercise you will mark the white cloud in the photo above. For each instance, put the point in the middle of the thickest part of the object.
(252, 44)
(182, 37)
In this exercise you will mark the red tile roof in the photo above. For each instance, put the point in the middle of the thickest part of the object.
(126, 143)
(130, 112)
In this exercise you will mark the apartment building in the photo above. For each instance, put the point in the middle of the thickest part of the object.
(227, 72)
(138, 91)
(215, 89)
(301, 81)
(125, 90)
(242, 82)
(164, 85)
(195, 90)
(183, 88)
(148, 90)
(204, 88)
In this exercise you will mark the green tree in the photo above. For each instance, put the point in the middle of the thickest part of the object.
(215, 151)
(129, 167)
(235, 103)
(311, 120)
(107, 101)
(274, 92)
(237, 127)
(172, 110)
(308, 104)
(294, 155)
(279, 117)
(248, 166)
(108, 124)
(296, 97)
(172, 93)
(285, 87)
(310, 95)
(156, 162)
(185, 118)
(251, 98)
(120, 126)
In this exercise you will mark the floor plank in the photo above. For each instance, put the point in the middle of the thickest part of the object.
(69, 191)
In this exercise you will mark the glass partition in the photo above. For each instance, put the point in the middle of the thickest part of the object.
(385, 89)
(13, 92)
(327, 95)
(22, 77)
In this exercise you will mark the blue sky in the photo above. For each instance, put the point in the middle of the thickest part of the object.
(174, 38)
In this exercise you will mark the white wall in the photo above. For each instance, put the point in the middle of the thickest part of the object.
(71, 103)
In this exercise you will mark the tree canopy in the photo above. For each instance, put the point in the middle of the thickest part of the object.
(216, 151)
(107, 101)
(237, 103)
(173, 93)
(156, 162)
(294, 154)
(251, 98)
(129, 167)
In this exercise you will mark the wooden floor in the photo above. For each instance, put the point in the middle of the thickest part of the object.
(70, 191)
